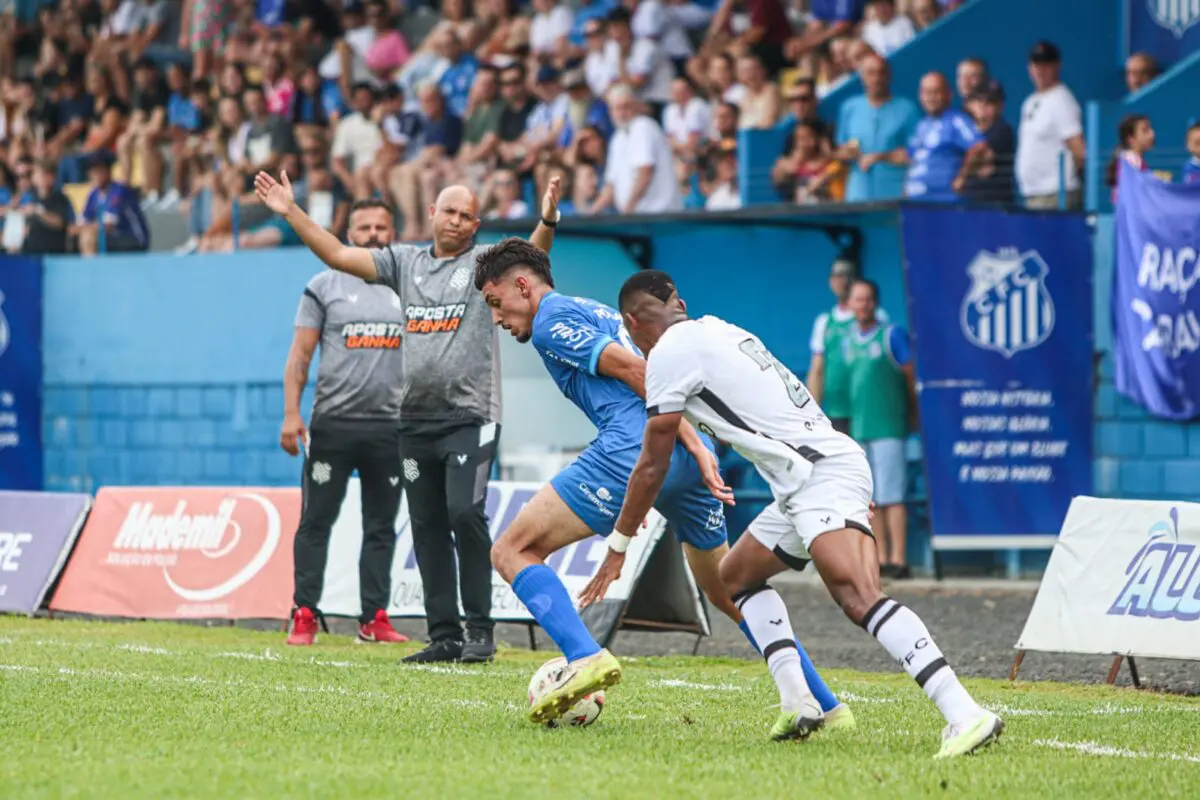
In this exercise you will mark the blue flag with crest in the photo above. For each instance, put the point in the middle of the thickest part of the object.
(1156, 299)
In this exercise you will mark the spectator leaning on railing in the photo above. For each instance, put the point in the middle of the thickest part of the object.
(945, 148)
(872, 135)
(993, 181)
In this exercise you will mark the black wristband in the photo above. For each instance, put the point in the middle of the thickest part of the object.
(549, 224)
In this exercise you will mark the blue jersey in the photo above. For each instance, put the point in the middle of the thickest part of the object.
(569, 334)
(1191, 170)
(936, 151)
(118, 204)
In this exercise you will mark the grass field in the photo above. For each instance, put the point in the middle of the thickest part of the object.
(160, 710)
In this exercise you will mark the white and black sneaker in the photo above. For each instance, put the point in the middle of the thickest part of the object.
(479, 648)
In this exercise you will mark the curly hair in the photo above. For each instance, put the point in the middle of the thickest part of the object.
(495, 262)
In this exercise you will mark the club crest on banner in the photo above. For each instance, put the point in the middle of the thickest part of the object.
(1008, 307)
(1177, 16)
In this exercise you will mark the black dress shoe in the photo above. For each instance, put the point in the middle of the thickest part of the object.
(479, 647)
(439, 652)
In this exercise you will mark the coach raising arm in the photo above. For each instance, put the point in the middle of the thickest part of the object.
(450, 409)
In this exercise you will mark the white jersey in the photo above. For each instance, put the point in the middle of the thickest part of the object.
(730, 386)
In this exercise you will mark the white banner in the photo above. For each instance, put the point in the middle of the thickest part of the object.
(1123, 579)
(575, 565)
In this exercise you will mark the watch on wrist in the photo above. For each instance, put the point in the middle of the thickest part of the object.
(551, 223)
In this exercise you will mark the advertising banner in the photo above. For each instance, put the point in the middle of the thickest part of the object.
(1001, 311)
(1168, 30)
(37, 530)
(575, 565)
(1123, 579)
(175, 553)
(1155, 302)
(20, 373)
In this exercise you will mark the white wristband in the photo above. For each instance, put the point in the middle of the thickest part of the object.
(618, 542)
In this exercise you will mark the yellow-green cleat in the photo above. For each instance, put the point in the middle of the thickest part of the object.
(978, 733)
(576, 681)
(839, 718)
(798, 724)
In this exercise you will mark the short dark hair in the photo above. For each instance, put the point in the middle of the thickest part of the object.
(1195, 126)
(653, 282)
(495, 262)
(867, 282)
(362, 86)
(369, 203)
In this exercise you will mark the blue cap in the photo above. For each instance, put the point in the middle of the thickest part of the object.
(546, 74)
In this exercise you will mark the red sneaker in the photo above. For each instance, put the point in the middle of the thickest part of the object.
(380, 630)
(304, 627)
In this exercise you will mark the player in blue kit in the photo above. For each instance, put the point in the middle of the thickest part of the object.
(593, 361)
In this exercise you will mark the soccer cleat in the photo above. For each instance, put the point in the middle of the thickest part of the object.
(304, 627)
(380, 630)
(574, 682)
(978, 733)
(479, 648)
(798, 724)
(439, 652)
(839, 718)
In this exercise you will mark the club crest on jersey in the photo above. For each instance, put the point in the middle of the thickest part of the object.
(460, 278)
(1008, 307)
(1177, 16)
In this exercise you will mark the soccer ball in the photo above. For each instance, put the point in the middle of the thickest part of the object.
(582, 713)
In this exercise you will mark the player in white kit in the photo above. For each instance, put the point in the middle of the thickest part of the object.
(730, 386)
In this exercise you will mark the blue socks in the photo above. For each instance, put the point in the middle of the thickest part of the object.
(546, 598)
(815, 683)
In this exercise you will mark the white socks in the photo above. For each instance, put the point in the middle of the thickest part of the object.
(767, 618)
(906, 638)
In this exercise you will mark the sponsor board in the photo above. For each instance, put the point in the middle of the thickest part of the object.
(37, 530)
(575, 564)
(174, 553)
(1123, 579)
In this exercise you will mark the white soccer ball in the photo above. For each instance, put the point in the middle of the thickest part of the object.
(582, 713)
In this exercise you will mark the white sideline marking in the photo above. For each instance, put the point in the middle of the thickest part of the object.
(1009, 711)
(267, 656)
(141, 648)
(471, 703)
(851, 697)
(673, 683)
(1095, 749)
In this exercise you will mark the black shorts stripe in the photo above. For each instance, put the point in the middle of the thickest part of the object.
(890, 613)
(790, 561)
(782, 644)
(930, 670)
(722, 410)
(863, 529)
(871, 611)
(309, 293)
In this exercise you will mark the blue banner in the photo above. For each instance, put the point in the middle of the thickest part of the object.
(1166, 29)
(1155, 300)
(1000, 307)
(20, 373)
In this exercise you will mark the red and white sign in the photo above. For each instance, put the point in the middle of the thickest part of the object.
(173, 553)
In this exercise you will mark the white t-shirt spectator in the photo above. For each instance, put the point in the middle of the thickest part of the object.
(680, 122)
(886, 39)
(121, 22)
(642, 144)
(598, 73)
(547, 29)
(667, 25)
(518, 209)
(1048, 119)
(645, 58)
(356, 139)
(360, 41)
(723, 198)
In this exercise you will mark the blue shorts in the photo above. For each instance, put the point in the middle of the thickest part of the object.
(593, 486)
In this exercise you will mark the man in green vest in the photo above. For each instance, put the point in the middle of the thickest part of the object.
(828, 376)
(882, 411)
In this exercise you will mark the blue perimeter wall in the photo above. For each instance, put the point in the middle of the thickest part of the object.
(167, 370)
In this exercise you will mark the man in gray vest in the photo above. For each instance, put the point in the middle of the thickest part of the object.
(353, 426)
(450, 407)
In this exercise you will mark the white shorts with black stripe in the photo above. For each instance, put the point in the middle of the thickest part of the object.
(837, 495)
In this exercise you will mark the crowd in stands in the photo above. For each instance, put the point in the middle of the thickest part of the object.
(126, 107)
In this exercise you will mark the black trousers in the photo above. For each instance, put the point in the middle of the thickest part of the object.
(336, 450)
(445, 479)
